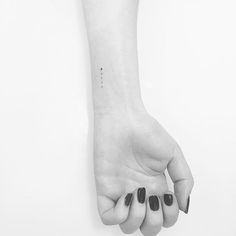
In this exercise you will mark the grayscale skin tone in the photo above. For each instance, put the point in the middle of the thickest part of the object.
(132, 150)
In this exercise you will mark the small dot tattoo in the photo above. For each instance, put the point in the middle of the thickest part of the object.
(101, 77)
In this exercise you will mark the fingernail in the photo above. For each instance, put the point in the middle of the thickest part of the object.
(128, 199)
(187, 207)
(168, 199)
(141, 195)
(154, 203)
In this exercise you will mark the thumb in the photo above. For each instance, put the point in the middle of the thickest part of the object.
(182, 178)
(112, 212)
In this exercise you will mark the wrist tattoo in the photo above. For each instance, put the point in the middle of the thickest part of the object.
(101, 77)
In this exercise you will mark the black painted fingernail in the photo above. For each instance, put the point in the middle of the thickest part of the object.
(128, 199)
(154, 203)
(141, 195)
(168, 199)
(187, 207)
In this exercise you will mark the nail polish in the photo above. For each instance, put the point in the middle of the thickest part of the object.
(154, 203)
(128, 199)
(141, 195)
(187, 207)
(168, 199)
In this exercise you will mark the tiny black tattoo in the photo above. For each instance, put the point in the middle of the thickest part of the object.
(101, 77)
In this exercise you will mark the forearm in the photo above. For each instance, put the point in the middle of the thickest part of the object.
(111, 26)
(131, 149)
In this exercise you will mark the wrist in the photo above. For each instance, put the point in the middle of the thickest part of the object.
(118, 105)
(117, 102)
(119, 108)
(116, 90)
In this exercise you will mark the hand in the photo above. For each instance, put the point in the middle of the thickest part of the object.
(132, 151)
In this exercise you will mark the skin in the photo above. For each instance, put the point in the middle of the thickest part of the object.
(131, 149)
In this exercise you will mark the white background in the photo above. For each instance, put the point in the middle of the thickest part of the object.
(187, 55)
